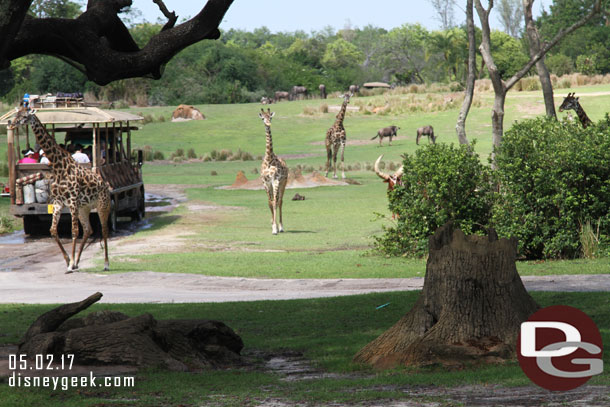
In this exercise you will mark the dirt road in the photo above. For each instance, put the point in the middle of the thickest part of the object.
(33, 272)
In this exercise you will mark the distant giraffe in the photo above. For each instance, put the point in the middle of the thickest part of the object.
(74, 186)
(274, 174)
(336, 138)
(572, 103)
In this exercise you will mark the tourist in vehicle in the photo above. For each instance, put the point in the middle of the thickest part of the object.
(43, 157)
(27, 157)
(79, 156)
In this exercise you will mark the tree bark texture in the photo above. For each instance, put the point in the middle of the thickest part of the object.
(460, 126)
(112, 338)
(470, 309)
(543, 72)
(98, 43)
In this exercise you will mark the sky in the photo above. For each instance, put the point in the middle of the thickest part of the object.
(314, 15)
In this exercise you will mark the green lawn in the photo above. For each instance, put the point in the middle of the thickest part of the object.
(327, 331)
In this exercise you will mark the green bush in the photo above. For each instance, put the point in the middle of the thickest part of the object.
(554, 177)
(191, 153)
(560, 64)
(158, 155)
(440, 183)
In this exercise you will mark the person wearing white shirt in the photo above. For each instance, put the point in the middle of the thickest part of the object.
(79, 157)
(43, 159)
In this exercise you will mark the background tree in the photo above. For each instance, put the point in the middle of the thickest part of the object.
(97, 41)
(510, 15)
(460, 126)
(444, 12)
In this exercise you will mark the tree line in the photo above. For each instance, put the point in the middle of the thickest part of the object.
(244, 66)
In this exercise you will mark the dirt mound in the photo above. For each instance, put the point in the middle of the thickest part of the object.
(296, 179)
(187, 112)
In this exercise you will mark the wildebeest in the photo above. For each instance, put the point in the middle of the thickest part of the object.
(387, 132)
(426, 131)
(354, 89)
(322, 88)
(266, 101)
(298, 92)
(280, 95)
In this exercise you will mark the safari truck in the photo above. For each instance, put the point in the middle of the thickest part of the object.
(105, 135)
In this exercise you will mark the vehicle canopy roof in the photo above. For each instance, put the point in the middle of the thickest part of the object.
(80, 115)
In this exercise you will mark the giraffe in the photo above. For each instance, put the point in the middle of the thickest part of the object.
(74, 186)
(572, 103)
(274, 174)
(336, 138)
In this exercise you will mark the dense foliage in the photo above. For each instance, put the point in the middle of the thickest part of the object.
(554, 178)
(440, 183)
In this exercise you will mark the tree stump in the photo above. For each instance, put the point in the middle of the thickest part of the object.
(470, 309)
(112, 338)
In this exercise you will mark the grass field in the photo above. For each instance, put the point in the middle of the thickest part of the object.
(328, 332)
(330, 234)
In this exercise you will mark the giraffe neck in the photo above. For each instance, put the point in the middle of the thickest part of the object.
(582, 116)
(341, 114)
(269, 151)
(57, 156)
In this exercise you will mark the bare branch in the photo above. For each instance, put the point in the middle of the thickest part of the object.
(171, 16)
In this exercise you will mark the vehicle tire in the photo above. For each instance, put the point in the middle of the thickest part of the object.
(31, 225)
(140, 212)
(112, 218)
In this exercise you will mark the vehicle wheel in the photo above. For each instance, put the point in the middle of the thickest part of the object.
(140, 212)
(31, 225)
(112, 218)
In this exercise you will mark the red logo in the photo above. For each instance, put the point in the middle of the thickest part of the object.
(560, 348)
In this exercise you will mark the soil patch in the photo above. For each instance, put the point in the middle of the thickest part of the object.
(296, 179)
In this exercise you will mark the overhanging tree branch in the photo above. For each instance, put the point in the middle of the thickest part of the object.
(99, 42)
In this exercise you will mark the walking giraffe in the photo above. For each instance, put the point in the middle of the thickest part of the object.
(74, 186)
(572, 103)
(274, 174)
(336, 138)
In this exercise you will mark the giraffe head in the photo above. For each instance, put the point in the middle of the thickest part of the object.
(22, 114)
(569, 103)
(266, 116)
(346, 97)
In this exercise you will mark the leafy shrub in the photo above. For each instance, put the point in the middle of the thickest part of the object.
(191, 153)
(440, 183)
(158, 155)
(560, 64)
(554, 178)
(586, 64)
(147, 153)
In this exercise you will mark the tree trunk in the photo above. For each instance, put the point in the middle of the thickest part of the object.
(460, 126)
(543, 72)
(112, 338)
(470, 309)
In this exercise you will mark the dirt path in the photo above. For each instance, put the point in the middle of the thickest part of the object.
(33, 272)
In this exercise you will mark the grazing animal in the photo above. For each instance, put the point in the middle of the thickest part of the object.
(426, 131)
(387, 132)
(74, 186)
(322, 88)
(298, 92)
(279, 96)
(353, 89)
(572, 103)
(336, 139)
(274, 174)
(298, 197)
(266, 101)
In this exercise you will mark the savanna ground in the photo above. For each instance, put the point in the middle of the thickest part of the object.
(329, 235)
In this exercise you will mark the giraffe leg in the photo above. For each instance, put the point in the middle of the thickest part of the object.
(329, 156)
(335, 152)
(269, 189)
(342, 161)
(281, 201)
(56, 216)
(276, 196)
(103, 212)
(83, 217)
(74, 213)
